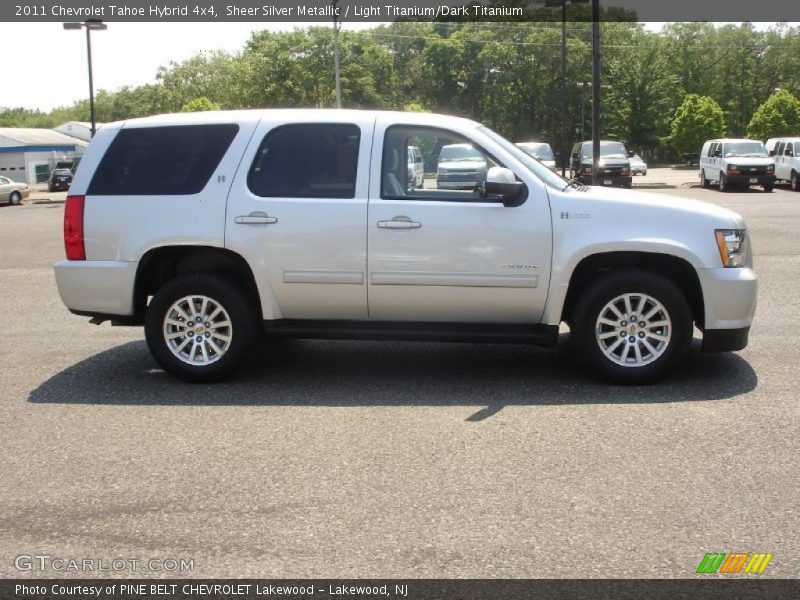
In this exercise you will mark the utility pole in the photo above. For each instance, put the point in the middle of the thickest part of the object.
(336, 26)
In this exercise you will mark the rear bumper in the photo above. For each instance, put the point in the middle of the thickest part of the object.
(96, 286)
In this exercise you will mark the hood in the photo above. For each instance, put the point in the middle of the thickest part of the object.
(653, 207)
(476, 165)
(752, 161)
(607, 161)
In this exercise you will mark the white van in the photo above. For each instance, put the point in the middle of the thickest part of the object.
(416, 168)
(786, 152)
(736, 162)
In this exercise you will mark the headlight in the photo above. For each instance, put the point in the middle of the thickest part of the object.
(732, 244)
(733, 169)
(624, 172)
(587, 170)
(770, 168)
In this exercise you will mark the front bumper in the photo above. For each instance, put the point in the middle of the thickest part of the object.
(97, 286)
(456, 185)
(748, 180)
(613, 180)
(729, 303)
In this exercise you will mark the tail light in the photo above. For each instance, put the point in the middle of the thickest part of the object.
(73, 228)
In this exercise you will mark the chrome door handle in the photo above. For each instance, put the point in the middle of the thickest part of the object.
(398, 224)
(255, 218)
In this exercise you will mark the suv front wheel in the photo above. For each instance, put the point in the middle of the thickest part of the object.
(632, 326)
(199, 328)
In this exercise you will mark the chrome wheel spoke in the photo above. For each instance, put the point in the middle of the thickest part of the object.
(639, 341)
(191, 332)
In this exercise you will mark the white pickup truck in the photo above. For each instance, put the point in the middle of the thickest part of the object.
(211, 228)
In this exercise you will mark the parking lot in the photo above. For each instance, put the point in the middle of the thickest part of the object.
(367, 459)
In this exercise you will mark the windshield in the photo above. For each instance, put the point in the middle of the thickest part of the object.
(797, 148)
(459, 153)
(745, 149)
(609, 149)
(540, 151)
(546, 175)
(62, 172)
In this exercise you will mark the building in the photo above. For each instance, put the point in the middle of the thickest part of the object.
(28, 155)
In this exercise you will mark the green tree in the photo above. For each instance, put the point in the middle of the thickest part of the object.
(779, 115)
(200, 104)
(698, 119)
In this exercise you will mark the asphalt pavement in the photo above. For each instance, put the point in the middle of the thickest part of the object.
(370, 459)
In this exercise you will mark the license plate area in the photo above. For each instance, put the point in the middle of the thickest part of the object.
(754, 180)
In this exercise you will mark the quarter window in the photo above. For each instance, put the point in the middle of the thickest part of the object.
(307, 161)
(162, 161)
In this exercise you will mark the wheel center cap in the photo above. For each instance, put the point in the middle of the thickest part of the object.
(200, 329)
(633, 329)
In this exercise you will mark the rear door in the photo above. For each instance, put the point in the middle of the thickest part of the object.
(297, 213)
(780, 160)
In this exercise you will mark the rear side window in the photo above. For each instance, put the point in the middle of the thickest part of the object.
(307, 161)
(155, 161)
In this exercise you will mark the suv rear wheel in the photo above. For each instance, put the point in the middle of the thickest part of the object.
(795, 181)
(632, 326)
(199, 328)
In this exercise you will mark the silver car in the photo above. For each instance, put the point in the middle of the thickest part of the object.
(12, 191)
(638, 166)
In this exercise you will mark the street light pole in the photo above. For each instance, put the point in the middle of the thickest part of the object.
(89, 25)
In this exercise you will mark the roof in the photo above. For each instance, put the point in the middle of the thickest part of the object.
(299, 115)
(37, 137)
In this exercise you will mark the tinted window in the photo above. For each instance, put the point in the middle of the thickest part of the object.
(307, 161)
(162, 160)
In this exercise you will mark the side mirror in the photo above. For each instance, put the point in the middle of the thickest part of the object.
(718, 153)
(502, 185)
(631, 153)
(772, 152)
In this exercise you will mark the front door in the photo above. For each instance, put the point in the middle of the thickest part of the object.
(442, 253)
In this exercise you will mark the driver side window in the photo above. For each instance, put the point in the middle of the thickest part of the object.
(454, 167)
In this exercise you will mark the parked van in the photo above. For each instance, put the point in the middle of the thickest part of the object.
(786, 153)
(541, 151)
(736, 162)
(416, 168)
(211, 228)
(614, 166)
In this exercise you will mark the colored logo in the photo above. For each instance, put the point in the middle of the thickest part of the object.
(754, 563)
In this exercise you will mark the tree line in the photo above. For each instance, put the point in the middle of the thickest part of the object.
(505, 74)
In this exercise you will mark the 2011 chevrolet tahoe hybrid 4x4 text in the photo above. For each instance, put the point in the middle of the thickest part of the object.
(209, 228)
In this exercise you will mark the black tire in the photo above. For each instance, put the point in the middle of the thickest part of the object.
(15, 198)
(795, 181)
(704, 183)
(724, 186)
(242, 332)
(768, 187)
(634, 281)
